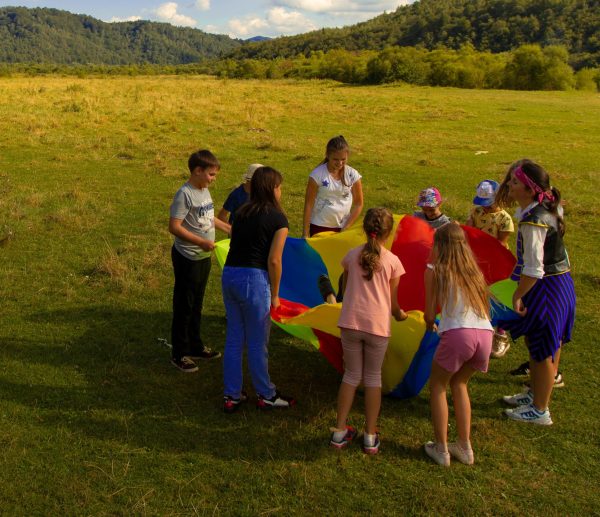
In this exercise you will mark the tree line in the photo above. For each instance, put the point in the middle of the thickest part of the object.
(529, 67)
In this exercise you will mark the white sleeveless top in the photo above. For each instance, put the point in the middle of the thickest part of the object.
(456, 316)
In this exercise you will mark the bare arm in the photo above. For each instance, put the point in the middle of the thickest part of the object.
(397, 312)
(274, 264)
(176, 228)
(357, 204)
(503, 238)
(309, 202)
(525, 285)
(223, 226)
(430, 300)
(223, 215)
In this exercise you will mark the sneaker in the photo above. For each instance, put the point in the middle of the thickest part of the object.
(558, 382)
(372, 449)
(463, 455)
(231, 405)
(205, 353)
(529, 414)
(500, 345)
(441, 458)
(348, 437)
(325, 287)
(185, 364)
(520, 399)
(278, 401)
(522, 369)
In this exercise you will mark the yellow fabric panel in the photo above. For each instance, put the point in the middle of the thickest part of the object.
(404, 343)
(334, 247)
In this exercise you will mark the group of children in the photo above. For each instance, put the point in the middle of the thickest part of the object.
(253, 217)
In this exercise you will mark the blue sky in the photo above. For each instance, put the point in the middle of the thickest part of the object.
(237, 18)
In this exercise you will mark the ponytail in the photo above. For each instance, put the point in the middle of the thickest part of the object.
(377, 224)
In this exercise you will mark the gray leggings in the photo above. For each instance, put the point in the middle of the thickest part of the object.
(363, 357)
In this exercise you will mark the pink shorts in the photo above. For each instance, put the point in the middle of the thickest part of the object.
(464, 346)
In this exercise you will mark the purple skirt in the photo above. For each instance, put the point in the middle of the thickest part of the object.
(550, 316)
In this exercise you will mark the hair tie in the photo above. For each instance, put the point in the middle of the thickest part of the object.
(373, 235)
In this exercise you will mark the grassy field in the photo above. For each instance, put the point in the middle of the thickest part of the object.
(93, 418)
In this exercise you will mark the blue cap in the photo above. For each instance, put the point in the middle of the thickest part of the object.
(486, 193)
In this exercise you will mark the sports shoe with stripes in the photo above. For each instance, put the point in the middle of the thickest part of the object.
(231, 404)
(529, 414)
(277, 401)
(520, 399)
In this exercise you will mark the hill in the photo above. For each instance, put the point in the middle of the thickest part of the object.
(52, 36)
(490, 25)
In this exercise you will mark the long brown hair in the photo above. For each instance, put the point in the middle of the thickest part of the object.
(377, 224)
(262, 193)
(337, 143)
(457, 271)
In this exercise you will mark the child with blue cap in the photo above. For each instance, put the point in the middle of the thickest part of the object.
(491, 219)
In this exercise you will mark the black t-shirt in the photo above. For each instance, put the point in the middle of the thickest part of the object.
(251, 239)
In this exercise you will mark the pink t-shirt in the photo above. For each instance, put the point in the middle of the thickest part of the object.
(367, 306)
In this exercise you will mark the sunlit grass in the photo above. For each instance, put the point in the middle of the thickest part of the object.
(93, 418)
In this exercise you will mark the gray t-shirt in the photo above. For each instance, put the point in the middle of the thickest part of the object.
(195, 207)
(436, 223)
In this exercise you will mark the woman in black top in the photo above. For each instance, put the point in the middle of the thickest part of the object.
(250, 282)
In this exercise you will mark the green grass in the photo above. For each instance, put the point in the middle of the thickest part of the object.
(95, 421)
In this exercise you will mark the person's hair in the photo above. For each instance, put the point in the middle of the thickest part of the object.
(377, 224)
(203, 159)
(262, 193)
(337, 143)
(456, 270)
(540, 177)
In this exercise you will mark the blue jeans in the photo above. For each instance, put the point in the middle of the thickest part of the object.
(247, 297)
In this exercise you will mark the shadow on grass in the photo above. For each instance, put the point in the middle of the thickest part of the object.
(114, 383)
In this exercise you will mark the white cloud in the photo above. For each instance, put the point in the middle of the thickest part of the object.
(276, 21)
(116, 19)
(167, 12)
(286, 22)
(342, 6)
(203, 5)
(242, 27)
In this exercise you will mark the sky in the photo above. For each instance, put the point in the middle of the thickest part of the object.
(237, 18)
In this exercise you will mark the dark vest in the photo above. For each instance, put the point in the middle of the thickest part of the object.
(556, 260)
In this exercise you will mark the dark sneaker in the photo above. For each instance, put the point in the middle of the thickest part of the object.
(205, 353)
(522, 370)
(372, 449)
(348, 437)
(325, 287)
(185, 364)
(559, 382)
(278, 401)
(231, 405)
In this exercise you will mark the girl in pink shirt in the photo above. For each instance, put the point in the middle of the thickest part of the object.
(371, 277)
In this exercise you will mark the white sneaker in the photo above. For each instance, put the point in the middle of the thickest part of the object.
(529, 414)
(520, 399)
(441, 458)
(463, 455)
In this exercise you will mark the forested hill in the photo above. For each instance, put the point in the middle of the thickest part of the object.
(52, 36)
(494, 25)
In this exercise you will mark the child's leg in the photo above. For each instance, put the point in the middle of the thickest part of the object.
(182, 304)
(542, 382)
(257, 321)
(199, 279)
(353, 369)
(462, 404)
(375, 347)
(234, 339)
(556, 360)
(438, 384)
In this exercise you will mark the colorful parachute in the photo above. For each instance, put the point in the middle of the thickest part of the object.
(407, 363)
